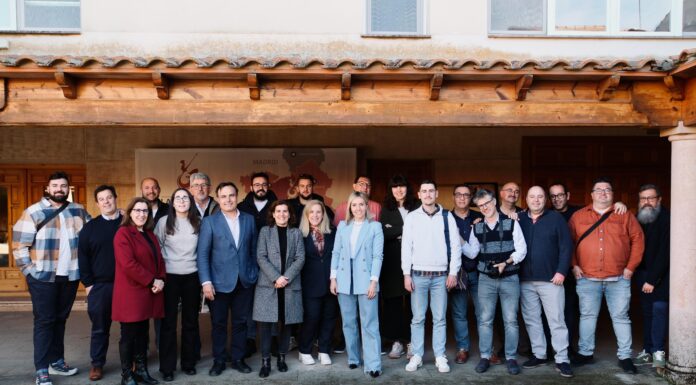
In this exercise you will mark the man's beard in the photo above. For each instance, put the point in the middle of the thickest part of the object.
(308, 197)
(648, 214)
(58, 198)
(260, 197)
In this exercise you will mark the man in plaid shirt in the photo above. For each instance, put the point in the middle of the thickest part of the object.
(46, 253)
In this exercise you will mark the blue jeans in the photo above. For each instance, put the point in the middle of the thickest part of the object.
(489, 289)
(618, 296)
(458, 305)
(655, 317)
(350, 304)
(435, 286)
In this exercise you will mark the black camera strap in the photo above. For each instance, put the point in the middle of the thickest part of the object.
(594, 226)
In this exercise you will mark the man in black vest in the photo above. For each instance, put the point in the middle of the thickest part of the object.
(95, 255)
(502, 248)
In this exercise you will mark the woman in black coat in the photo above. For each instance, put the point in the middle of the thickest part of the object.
(396, 303)
(320, 306)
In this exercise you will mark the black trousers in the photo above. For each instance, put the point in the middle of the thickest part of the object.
(266, 332)
(51, 303)
(396, 319)
(185, 288)
(320, 314)
(133, 341)
(238, 303)
(99, 311)
(571, 311)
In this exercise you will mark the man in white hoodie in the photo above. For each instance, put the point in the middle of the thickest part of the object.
(430, 260)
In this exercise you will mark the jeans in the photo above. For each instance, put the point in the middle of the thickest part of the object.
(489, 289)
(51, 303)
(435, 286)
(458, 305)
(618, 296)
(538, 294)
(655, 318)
(99, 311)
(369, 322)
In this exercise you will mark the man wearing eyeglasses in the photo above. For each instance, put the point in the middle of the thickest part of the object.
(199, 187)
(604, 261)
(257, 202)
(360, 184)
(652, 275)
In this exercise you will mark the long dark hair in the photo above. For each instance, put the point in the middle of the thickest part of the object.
(192, 216)
(390, 202)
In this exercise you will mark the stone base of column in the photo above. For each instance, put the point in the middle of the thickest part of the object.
(680, 375)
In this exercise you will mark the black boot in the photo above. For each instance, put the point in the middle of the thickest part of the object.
(141, 374)
(126, 365)
(265, 367)
(282, 366)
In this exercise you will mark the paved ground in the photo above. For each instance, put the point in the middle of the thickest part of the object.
(16, 364)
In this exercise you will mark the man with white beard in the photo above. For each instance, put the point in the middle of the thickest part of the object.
(652, 275)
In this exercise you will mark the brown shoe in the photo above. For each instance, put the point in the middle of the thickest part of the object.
(95, 373)
(462, 356)
(494, 360)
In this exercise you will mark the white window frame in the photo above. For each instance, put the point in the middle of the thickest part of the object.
(544, 24)
(423, 26)
(17, 19)
(681, 21)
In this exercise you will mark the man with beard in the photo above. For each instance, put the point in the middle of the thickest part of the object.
(652, 275)
(97, 270)
(199, 187)
(305, 193)
(150, 190)
(44, 245)
(256, 204)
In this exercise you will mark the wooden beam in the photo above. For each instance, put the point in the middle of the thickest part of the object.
(606, 87)
(523, 85)
(67, 83)
(435, 86)
(3, 93)
(254, 90)
(161, 83)
(675, 86)
(345, 86)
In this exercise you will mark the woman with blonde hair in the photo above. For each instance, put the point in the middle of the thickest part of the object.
(355, 266)
(320, 306)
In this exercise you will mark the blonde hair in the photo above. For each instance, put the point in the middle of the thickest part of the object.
(304, 222)
(353, 196)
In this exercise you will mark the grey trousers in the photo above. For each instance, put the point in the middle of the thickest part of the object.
(534, 295)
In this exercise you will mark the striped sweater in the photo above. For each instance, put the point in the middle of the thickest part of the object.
(37, 253)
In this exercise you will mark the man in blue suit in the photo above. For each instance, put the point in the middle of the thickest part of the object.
(228, 271)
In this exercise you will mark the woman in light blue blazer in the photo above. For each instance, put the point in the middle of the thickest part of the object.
(355, 265)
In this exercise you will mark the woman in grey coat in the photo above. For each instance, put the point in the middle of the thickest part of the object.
(278, 297)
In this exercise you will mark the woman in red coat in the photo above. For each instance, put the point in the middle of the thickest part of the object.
(138, 288)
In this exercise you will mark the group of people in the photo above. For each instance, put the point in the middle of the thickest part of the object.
(289, 267)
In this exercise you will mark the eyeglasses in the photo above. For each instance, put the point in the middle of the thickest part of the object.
(460, 195)
(363, 184)
(602, 191)
(484, 205)
(557, 196)
(200, 185)
(181, 199)
(648, 199)
(140, 211)
(258, 185)
(512, 191)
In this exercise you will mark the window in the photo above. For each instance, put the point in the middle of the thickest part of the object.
(619, 18)
(396, 17)
(40, 15)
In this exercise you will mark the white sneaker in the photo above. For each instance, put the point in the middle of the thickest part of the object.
(659, 359)
(441, 364)
(397, 350)
(324, 359)
(306, 359)
(409, 351)
(414, 363)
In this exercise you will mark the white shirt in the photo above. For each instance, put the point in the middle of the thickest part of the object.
(233, 224)
(201, 210)
(355, 233)
(64, 254)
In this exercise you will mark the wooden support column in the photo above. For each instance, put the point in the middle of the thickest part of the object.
(675, 86)
(435, 86)
(254, 90)
(3, 93)
(67, 83)
(161, 83)
(523, 85)
(345, 86)
(605, 88)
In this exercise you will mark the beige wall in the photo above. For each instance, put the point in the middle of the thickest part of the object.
(459, 154)
(309, 28)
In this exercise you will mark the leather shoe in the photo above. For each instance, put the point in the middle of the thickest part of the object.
(217, 369)
(190, 371)
(240, 366)
(168, 377)
(462, 356)
(96, 373)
